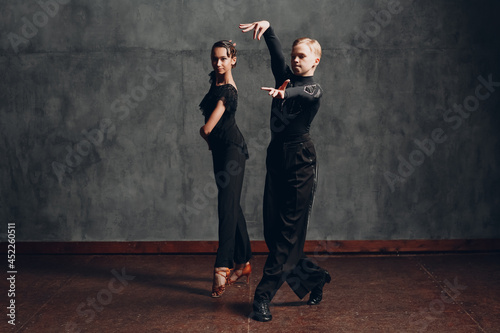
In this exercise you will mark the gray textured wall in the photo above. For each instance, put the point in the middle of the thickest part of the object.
(99, 117)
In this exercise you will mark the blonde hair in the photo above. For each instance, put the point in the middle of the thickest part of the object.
(312, 43)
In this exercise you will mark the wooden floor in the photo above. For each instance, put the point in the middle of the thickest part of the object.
(171, 293)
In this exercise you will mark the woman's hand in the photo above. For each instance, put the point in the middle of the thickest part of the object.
(258, 28)
(277, 93)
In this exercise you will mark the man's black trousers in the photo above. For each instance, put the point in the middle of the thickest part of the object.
(288, 198)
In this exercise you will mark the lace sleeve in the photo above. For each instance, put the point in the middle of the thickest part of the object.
(229, 96)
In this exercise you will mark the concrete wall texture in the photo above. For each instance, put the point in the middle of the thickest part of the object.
(99, 117)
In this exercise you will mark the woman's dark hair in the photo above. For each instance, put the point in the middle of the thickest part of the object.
(231, 52)
(228, 45)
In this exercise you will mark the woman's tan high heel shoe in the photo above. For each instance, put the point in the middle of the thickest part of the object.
(239, 273)
(221, 275)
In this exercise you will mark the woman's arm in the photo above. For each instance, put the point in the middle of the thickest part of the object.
(212, 121)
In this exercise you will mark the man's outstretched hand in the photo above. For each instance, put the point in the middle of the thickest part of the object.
(277, 93)
(258, 28)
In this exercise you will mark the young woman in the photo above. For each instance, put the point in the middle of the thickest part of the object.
(229, 154)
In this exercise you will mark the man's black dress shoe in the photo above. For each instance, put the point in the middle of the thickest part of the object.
(317, 292)
(261, 311)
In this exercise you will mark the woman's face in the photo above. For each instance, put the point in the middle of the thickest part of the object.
(221, 62)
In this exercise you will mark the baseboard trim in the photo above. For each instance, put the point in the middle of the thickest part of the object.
(311, 247)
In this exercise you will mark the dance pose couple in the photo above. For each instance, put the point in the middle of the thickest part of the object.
(291, 171)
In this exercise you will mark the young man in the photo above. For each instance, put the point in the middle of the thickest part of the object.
(291, 172)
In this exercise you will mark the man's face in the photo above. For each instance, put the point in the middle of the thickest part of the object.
(303, 60)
